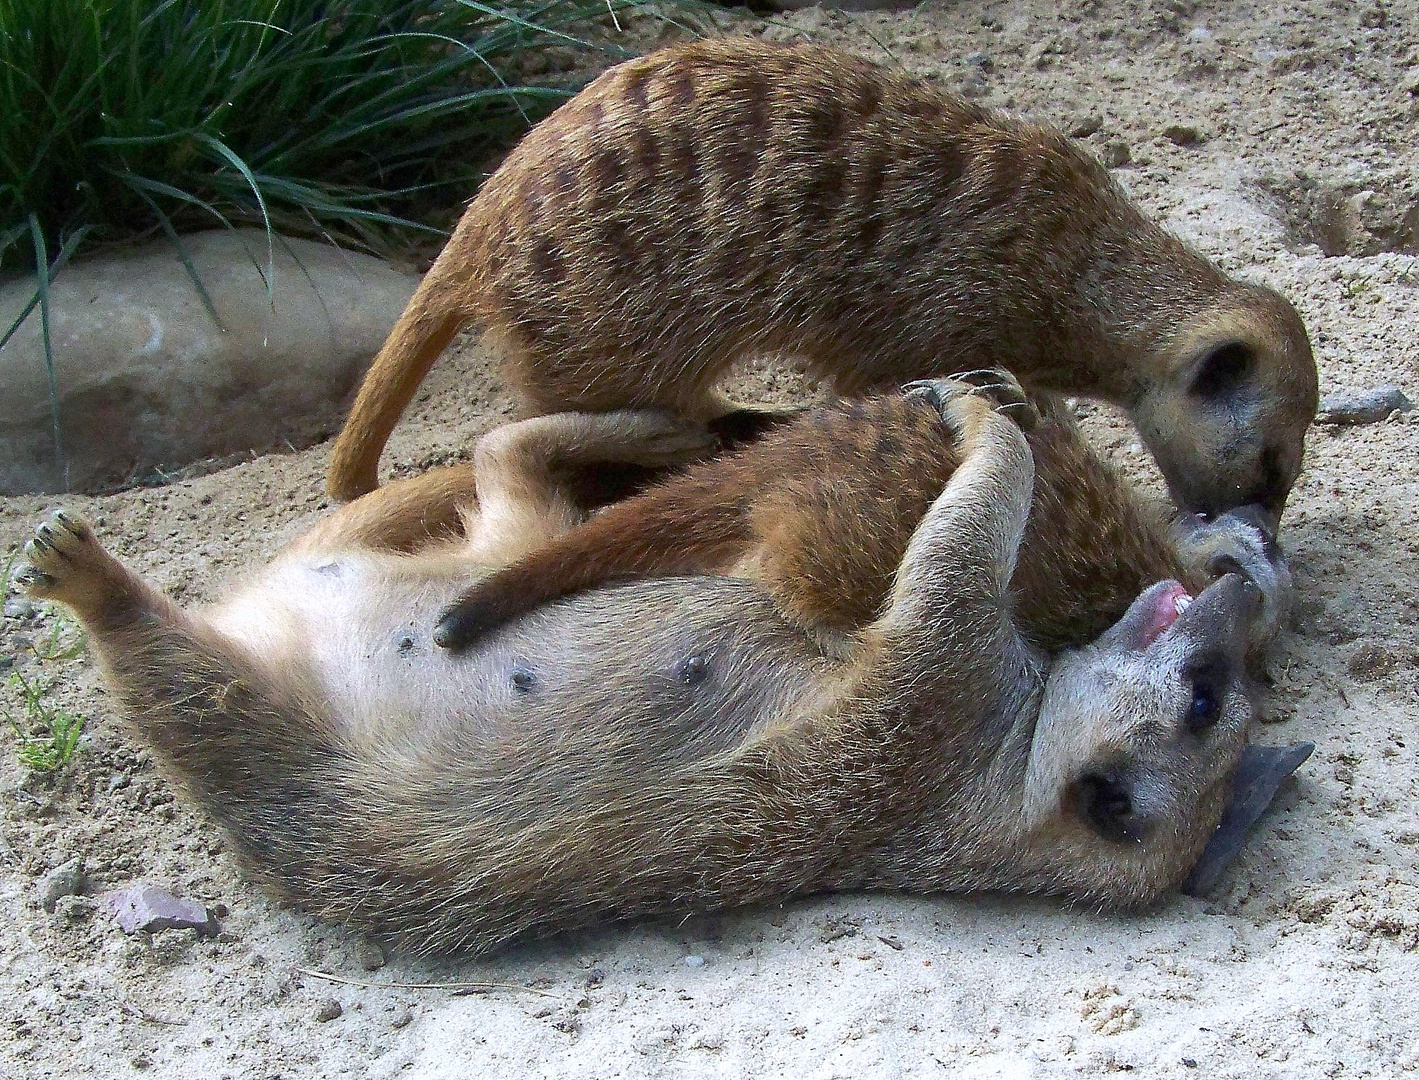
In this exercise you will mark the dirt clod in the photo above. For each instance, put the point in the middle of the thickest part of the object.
(65, 879)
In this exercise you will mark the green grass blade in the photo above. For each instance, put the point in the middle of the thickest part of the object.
(71, 244)
(241, 167)
(369, 110)
(186, 256)
(41, 266)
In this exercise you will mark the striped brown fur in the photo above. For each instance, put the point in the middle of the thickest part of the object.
(729, 198)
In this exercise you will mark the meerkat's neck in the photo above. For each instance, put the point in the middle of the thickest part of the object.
(1137, 286)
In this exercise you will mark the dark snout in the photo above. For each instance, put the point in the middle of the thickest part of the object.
(1106, 801)
(1222, 616)
(1265, 493)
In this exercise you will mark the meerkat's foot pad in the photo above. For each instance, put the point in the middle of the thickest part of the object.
(1260, 774)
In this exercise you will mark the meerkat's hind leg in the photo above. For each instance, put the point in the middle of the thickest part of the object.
(523, 501)
(402, 516)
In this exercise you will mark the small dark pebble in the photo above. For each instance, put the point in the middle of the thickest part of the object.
(1362, 406)
(370, 955)
(328, 1010)
(64, 880)
(1116, 154)
(1189, 1063)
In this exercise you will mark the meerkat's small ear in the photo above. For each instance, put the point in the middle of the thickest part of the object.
(1259, 776)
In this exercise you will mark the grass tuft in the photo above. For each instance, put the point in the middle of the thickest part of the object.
(354, 115)
(351, 120)
(47, 735)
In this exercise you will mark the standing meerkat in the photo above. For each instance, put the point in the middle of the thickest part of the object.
(819, 513)
(728, 198)
(456, 802)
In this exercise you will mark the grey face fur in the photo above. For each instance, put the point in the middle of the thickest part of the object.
(1136, 727)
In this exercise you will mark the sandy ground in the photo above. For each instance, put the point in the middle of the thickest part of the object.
(1302, 963)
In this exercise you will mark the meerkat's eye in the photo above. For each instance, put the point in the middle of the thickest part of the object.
(1202, 714)
(1209, 688)
(1222, 369)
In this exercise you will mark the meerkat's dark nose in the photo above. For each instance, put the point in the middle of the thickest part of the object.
(1106, 802)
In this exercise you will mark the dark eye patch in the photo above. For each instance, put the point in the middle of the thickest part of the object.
(1210, 679)
(1223, 368)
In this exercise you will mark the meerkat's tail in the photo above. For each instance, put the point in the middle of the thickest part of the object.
(437, 309)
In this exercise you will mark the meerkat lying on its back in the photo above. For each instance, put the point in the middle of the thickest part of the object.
(727, 198)
(820, 511)
(670, 745)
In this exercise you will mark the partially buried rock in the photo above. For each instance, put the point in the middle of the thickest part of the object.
(19, 609)
(1362, 406)
(1085, 126)
(1182, 134)
(370, 955)
(64, 880)
(1115, 154)
(328, 1010)
(145, 378)
(146, 907)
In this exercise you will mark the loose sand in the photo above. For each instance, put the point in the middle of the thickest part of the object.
(1302, 964)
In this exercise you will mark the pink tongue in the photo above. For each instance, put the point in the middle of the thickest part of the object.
(1165, 613)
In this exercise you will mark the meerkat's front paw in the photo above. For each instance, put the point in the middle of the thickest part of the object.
(62, 557)
(995, 385)
(1239, 542)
